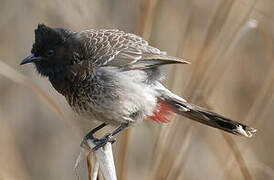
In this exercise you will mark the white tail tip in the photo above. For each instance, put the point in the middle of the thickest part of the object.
(245, 131)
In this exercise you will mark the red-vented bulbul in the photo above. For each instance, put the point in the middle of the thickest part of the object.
(114, 77)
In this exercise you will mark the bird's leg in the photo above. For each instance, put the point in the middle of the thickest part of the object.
(120, 128)
(109, 137)
(89, 135)
(94, 130)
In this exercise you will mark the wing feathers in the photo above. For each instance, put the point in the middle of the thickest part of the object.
(166, 58)
(153, 60)
(123, 50)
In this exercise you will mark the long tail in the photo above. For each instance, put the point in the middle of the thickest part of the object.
(182, 107)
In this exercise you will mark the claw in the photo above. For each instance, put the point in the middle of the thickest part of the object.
(84, 143)
(103, 141)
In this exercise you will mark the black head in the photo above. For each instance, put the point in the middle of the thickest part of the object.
(50, 52)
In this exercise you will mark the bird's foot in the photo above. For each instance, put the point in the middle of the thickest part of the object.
(84, 143)
(103, 141)
(98, 142)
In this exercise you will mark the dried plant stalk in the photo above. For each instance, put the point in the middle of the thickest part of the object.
(202, 63)
(264, 96)
(191, 89)
(144, 28)
(104, 157)
(148, 8)
(123, 154)
(265, 93)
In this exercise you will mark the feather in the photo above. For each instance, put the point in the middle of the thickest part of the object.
(162, 111)
(152, 60)
(123, 50)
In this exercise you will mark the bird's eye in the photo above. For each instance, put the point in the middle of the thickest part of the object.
(50, 53)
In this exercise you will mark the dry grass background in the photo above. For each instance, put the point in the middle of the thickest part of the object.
(232, 73)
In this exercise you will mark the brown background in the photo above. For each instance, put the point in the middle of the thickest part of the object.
(231, 73)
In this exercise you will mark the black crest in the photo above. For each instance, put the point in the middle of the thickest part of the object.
(46, 37)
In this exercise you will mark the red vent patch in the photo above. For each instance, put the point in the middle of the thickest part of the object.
(162, 112)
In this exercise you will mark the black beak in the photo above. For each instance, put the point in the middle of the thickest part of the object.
(30, 58)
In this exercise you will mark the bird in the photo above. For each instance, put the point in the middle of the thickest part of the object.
(114, 77)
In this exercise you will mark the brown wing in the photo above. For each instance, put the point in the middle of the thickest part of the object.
(117, 48)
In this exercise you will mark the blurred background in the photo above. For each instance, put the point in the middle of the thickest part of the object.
(230, 46)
